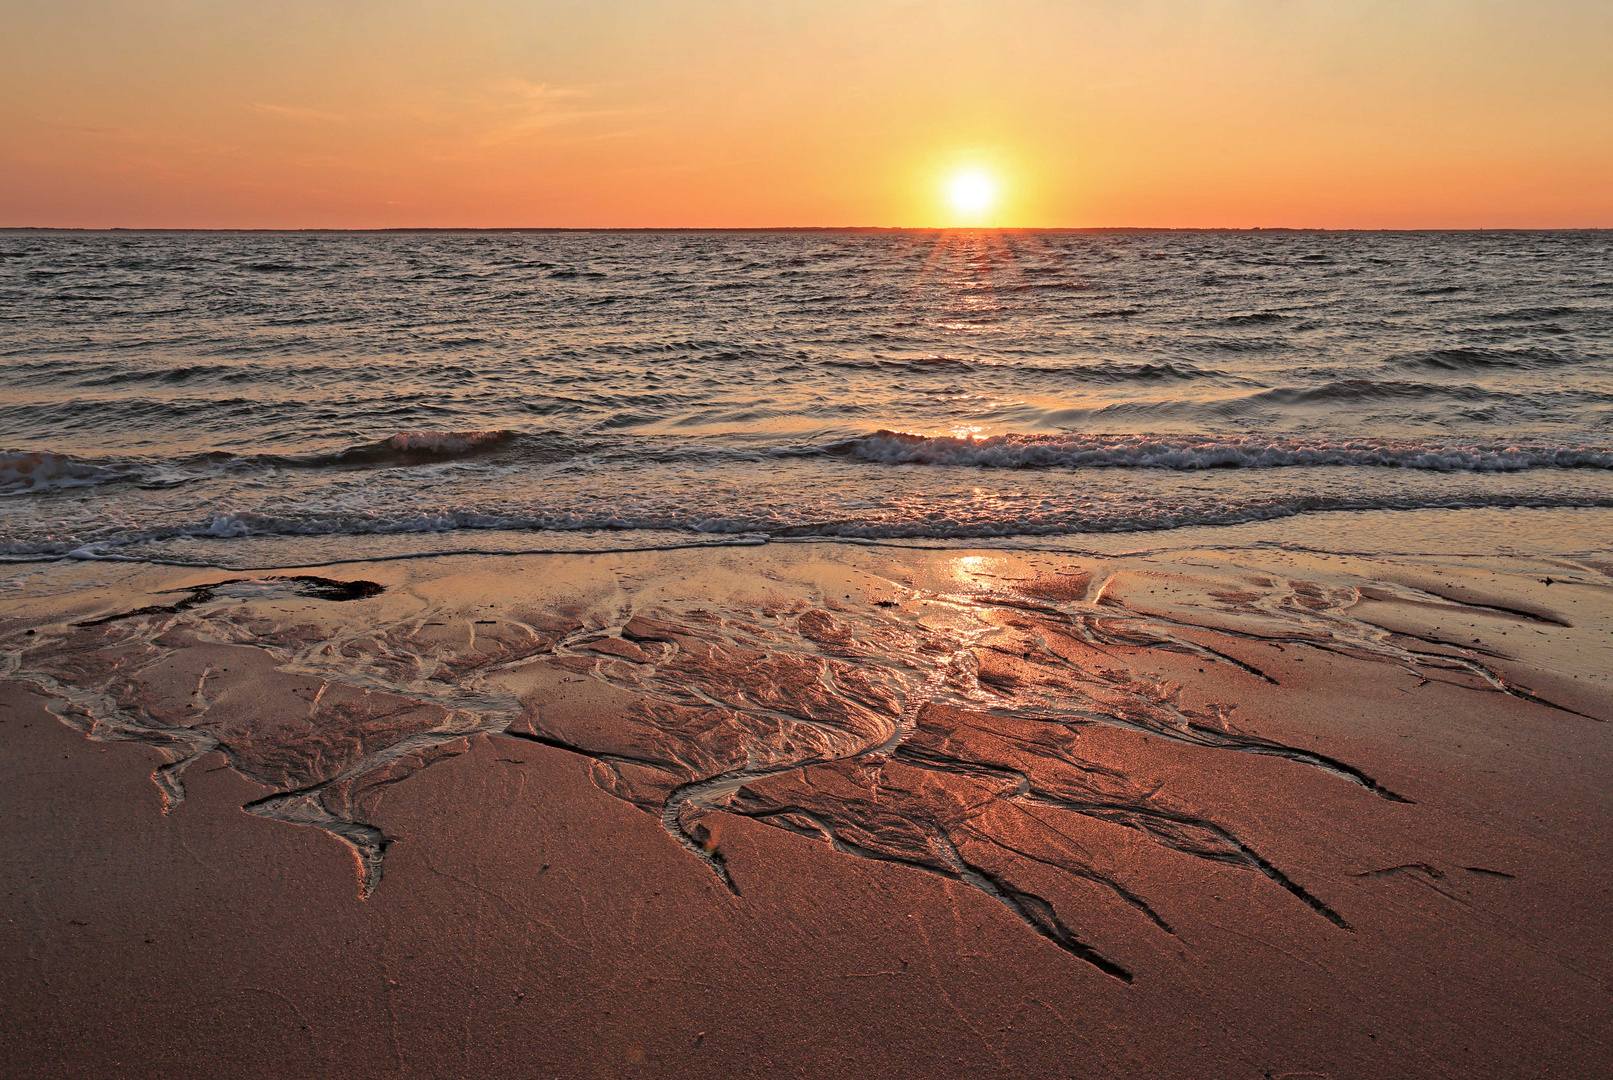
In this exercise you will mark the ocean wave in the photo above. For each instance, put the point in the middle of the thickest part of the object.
(1465, 359)
(23, 471)
(1150, 517)
(35, 471)
(1189, 453)
(410, 448)
(1533, 314)
(1352, 391)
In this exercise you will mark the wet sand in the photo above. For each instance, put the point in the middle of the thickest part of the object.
(813, 810)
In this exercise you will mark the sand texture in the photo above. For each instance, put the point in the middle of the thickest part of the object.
(811, 810)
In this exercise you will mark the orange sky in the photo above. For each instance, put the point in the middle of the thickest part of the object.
(364, 114)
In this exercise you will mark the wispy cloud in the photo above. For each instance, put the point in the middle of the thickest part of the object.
(467, 121)
(298, 113)
(512, 111)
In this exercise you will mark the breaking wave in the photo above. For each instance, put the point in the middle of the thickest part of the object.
(1189, 453)
(23, 471)
(37, 471)
(801, 523)
(410, 448)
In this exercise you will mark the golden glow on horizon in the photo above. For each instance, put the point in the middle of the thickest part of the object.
(729, 113)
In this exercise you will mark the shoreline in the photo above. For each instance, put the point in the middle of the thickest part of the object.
(1197, 812)
(1501, 532)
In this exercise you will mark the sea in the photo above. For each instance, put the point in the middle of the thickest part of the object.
(258, 399)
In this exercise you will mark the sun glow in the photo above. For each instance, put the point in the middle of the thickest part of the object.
(971, 193)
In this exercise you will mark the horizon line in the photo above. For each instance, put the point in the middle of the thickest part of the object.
(801, 229)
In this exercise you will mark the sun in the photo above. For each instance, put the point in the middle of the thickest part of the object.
(971, 192)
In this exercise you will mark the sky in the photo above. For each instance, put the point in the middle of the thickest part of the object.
(776, 113)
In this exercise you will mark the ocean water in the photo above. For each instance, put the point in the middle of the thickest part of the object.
(193, 397)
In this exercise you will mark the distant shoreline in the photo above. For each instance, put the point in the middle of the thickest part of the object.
(1094, 230)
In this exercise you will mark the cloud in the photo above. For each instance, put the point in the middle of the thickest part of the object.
(466, 121)
(509, 111)
(299, 114)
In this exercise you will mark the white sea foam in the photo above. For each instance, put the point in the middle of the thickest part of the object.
(27, 470)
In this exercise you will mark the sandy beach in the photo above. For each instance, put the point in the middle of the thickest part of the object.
(811, 810)
(815, 541)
